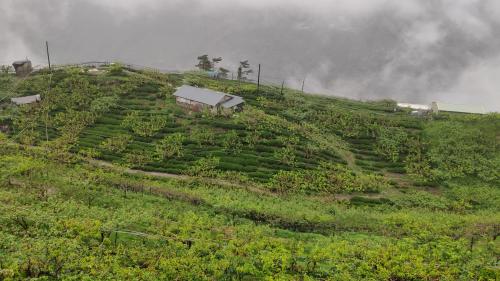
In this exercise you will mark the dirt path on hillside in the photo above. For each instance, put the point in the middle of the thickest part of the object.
(105, 164)
(223, 183)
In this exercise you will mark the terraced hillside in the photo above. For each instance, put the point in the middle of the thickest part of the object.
(295, 187)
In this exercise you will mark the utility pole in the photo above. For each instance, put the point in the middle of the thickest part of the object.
(303, 82)
(48, 93)
(258, 80)
(282, 85)
(48, 55)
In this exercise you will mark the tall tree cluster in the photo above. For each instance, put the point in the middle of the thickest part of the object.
(206, 63)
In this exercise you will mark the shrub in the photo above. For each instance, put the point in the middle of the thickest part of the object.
(103, 104)
(142, 127)
(170, 146)
(422, 199)
(116, 69)
(138, 158)
(205, 167)
(89, 153)
(390, 142)
(232, 142)
(203, 136)
(456, 150)
(358, 200)
(116, 144)
(253, 138)
(331, 178)
(286, 155)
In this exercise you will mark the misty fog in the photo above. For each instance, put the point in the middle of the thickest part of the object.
(408, 50)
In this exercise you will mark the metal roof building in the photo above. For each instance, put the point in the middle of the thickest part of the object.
(439, 106)
(22, 67)
(414, 106)
(26, 99)
(197, 98)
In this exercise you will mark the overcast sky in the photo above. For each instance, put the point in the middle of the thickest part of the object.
(408, 50)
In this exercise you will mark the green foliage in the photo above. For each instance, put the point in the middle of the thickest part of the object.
(328, 178)
(89, 153)
(116, 69)
(139, 158)
(422, 199)
(223, 73)
(286, 156)
(170, 146)
(167, 91)
(17, 165)
(204, 63)
(3, 138)
(91, 224)
(457, 150)
(391, 142)
(205, 167)
(417, 165)
(232, 142)
(144, 127)
(244, 216)
(72, 122)
(275, 131)
(202, 136)
(253, 138)
(5, 69)
(116, 144)
(243, 70)
(103, 104)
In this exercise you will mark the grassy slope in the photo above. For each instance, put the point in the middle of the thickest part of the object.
(65, 222)
(258, 162)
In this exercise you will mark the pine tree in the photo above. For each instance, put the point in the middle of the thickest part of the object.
(204, 63)
(244, 70)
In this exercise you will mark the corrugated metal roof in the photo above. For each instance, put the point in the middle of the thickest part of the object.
(20, 62)
(207, 96)
(26, 99)
(414, 106)
(234, 101)
(460, 108)
(200, 95)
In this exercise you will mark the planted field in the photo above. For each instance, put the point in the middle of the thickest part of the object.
(61, 221)
(257, 160)
(108, 179)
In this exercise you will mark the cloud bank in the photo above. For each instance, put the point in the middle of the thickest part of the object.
(408, 50)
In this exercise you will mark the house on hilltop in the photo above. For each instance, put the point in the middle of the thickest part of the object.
(197, 99)
(413, 106)
(22, 67)
(436, 107)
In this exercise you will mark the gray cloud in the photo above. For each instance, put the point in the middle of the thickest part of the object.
(409, 50)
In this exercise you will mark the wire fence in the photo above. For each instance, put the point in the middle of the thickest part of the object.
(266, 80)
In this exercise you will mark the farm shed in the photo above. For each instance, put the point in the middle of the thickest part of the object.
(197, 99)
(22, 67)
(26, 99)
(414, 106)
(439, 106)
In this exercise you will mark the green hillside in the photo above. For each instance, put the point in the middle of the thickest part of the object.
(108, 179)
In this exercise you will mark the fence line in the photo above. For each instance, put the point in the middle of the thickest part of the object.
(264, 80)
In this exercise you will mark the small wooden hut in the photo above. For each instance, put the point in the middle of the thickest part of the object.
(23, 67)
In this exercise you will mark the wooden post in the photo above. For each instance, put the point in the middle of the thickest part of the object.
(303, 82)
(282, 85)
(258, 80)
(48, 91)
(48, 55)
